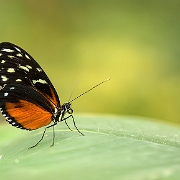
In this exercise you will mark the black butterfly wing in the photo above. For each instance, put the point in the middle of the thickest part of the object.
(18, 67)
(23, 84)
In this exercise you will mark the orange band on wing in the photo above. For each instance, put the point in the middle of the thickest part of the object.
(53, 99)
(29, 115)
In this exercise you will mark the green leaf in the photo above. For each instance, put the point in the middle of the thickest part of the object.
(125, 148)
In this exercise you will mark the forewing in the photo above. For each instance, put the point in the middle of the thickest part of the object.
(18, 67)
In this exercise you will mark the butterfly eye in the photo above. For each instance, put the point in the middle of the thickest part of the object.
(70, 111)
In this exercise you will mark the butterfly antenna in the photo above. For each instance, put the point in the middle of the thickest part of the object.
(90, 89)
(73, 91)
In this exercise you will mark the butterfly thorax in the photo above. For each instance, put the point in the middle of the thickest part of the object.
(64, 109)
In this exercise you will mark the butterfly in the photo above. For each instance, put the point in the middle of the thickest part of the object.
(28, 100)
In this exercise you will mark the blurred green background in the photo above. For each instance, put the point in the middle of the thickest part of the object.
(136, 43)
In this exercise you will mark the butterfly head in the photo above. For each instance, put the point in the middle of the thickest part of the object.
(66, 108)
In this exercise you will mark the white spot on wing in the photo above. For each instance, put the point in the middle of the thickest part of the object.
(7, 50)
(0, 54)
(3, 61)
(40, 81)
(10, 56)
(4, 78)
(27, 56)
(5, 94)
(1, 87)
(18, 80)
(24, 68)
(17, 49)
(11, 88)
(10, 70)
(28, 66)
(19, 55)
(39, 69)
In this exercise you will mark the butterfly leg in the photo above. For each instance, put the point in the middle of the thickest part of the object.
(52, 125)
(64, 119)
(67, 125)
(53, 136)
